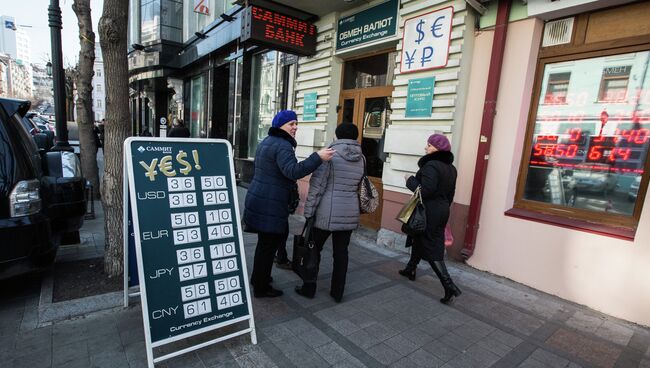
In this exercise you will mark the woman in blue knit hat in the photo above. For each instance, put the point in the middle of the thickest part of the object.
(271, 195)
(437, 181)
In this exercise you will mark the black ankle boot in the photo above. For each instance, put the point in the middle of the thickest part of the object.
(451, 290)
(408, 272)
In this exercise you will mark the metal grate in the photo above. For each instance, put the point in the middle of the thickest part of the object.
(557, 32)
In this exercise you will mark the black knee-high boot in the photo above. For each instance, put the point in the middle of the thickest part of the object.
(451, 290)
(412, 265)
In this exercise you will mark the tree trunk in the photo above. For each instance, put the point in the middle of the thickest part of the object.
(112, 36)
(84, 80)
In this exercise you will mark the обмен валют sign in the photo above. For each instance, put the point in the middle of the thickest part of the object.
(278, 31)
(375, 24)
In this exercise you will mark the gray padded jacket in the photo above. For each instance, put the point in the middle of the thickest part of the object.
(333, 196)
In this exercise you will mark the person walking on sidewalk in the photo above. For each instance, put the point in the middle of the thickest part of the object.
(267, 201)
(333, 205)
(437, 181)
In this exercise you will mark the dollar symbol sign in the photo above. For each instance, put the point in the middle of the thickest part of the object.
(418, 28)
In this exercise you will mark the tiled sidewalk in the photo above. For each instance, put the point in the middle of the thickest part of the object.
(384, 320)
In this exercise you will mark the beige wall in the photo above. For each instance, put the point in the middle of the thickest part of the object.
(604, 273)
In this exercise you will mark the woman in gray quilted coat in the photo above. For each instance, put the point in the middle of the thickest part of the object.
(333, 205)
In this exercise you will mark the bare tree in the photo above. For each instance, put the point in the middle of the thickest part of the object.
(84, 82)
(112, 37)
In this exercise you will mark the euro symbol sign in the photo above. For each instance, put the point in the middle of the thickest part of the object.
(436, 27)
(418, 28)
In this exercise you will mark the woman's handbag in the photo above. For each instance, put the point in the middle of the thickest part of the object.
(417, 222)
(305, 254)
(406, 211)
(368, 195)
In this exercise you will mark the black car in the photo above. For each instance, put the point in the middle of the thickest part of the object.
(41, 195)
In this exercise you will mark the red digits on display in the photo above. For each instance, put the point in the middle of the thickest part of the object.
(574, 134)
(595, 153)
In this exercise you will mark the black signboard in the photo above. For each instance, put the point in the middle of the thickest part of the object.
(191, 262)
(278, 31)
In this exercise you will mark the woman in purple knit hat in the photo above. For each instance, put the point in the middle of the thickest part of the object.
(437, 181)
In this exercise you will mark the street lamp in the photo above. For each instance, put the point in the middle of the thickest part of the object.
(58, 77)
(48, 69)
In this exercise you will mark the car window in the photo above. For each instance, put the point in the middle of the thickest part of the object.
(25, 149)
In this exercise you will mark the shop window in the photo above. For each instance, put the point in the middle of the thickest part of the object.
(149, 20)
(198, 14)
(373, 71)
(557, 88)
(585, 160)
(613, 86)
(196, 113)
(264, 92)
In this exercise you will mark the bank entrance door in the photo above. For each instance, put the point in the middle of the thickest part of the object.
(369, 109)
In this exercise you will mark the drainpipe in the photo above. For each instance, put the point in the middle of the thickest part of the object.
(487, 124)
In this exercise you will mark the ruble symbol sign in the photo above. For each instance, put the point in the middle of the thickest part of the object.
(418, 28)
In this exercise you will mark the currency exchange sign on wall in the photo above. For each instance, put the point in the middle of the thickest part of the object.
(426, 41)
(371, 25)
(189, 245)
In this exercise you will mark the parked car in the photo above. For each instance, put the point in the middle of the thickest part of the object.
(43, 128)
(599, 178)
(634, 189)
(41, 195)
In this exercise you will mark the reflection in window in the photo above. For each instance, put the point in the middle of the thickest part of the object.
(372, 71)
(591, 155)
(264, 91)
(376, 115)
(198, 14)
(613, 86)
(149, 20)
(196, 107)
(556, 90)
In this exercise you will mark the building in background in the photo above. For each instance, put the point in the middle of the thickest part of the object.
(99, 87)
(15, 43)
(18, 78)
(42, 85)
(4, 74)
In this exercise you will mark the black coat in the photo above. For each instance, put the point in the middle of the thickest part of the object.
(276, 172)
(179, 131)
(437, 180)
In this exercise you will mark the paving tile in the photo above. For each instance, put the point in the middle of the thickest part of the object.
(363, 339)
(615, 332)
(549, 359)
(440, 350)
(456, 341)
(532, 363)
(494, 346)
(333, 353)
(314, 338)
(586, 322)
(344, 327)
(483, 357)
(423, 358)
(403, 345)
(33, 359)
(595, 352)
(384, 354)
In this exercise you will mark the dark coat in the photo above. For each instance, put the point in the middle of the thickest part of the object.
(179, 131)
(333, 197)
(276, 172)
(437, 180)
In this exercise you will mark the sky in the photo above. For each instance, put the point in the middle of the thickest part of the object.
(34, 13)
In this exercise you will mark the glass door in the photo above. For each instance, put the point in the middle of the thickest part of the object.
(369, 109)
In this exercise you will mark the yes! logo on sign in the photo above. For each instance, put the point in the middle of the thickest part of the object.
(426, 41)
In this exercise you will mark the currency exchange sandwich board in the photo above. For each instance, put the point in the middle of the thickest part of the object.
(189, 244)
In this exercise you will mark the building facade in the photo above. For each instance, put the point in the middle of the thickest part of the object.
(99, 86)
(547, 120)
(42, 84)
(564, 206)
